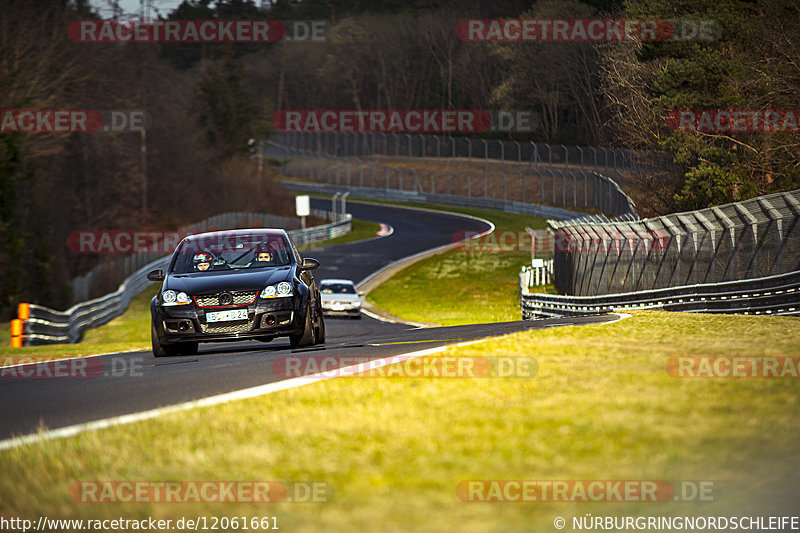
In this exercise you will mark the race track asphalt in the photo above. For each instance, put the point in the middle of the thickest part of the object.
(135, 381)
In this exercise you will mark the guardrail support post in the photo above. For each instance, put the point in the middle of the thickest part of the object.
(344, 205)
(333, 205)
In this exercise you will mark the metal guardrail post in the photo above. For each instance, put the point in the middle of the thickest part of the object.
(344, 204)
(334, 198)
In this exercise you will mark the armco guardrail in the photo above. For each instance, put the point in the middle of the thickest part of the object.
(742, 257)
(772, 295)
(738, 241)
(321, 233)
(396, 195)
(539, 273)
(40, 325)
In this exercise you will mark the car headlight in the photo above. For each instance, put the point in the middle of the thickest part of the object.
(284, 288)
(171, 297)
(281, 290)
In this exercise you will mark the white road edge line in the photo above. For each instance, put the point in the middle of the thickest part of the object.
(390, 321)
(251, 392)
(621, 316)
(411, 259)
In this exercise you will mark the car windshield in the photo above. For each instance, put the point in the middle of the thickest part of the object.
(231, 252)
(337, 288)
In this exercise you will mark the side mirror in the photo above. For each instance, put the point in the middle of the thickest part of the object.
(156, 275)
(309, 264)
(361, 293)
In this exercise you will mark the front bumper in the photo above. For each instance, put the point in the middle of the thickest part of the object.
(265, 318)
(342, 312)
(342, 309)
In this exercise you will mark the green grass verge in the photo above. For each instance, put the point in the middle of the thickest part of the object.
(601, 407)
(477, 283)
(362, 229)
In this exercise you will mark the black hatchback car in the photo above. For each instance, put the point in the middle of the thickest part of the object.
(235, 285)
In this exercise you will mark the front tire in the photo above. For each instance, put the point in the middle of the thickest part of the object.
(321, 328)
(170, 350)
(307, 338)
(160, 350)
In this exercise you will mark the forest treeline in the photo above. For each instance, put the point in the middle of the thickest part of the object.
(206, 101)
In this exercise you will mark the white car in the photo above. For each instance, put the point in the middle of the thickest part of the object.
(340, 297)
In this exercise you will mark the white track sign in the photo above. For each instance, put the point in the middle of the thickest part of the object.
(303, 205)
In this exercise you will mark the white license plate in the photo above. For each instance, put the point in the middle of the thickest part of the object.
(223, 316)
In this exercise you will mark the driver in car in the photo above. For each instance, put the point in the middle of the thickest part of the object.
(262, 255)
(202, 262)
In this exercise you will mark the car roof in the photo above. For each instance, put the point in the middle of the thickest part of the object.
(331, 280)
(265, 232)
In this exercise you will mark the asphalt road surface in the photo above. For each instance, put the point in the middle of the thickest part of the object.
(135, 381)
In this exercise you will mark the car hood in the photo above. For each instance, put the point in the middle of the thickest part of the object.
(208, 282)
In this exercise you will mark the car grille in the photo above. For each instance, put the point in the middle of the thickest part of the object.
(239, 298)
(228, 327)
